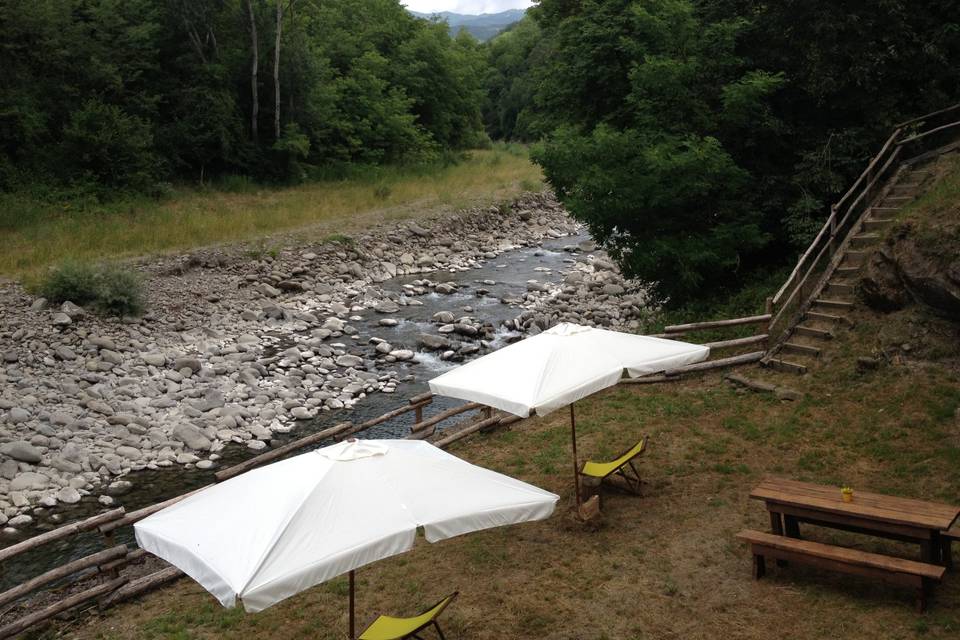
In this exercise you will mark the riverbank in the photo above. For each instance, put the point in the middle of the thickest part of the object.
(664, 564)
(37, 234)
(241, 346)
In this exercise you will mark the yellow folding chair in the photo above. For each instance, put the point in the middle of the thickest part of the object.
(622, 466)
(389, 628)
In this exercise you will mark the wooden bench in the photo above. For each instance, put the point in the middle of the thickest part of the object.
(909, 573)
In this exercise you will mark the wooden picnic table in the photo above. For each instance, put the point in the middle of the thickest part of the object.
(791, 502)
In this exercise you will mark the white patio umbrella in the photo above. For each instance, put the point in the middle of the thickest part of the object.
(560, 366)
(272, 532)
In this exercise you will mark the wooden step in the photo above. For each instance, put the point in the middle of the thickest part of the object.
(801, 349)
(864, 240)
(811, 332)
(907, 185)
(901, 200)
(876, 224)
(883, 211)
(841, 288)
(848, 271)
(823, 317)
(833, 304)
(779, 364)
(853, 258)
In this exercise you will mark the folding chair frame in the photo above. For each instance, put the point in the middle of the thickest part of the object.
(633, 481)
(433, 621)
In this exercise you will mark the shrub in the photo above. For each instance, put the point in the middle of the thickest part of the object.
(73, 281)
(119, 292)
(108, 289)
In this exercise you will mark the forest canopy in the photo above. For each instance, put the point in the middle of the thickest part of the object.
(123, 94)
(702, 140)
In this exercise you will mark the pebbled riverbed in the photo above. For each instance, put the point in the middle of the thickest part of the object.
(250, 352)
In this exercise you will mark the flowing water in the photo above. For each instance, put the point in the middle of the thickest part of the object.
(509, 272)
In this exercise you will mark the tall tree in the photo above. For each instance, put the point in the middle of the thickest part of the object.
(276, 72)
(254, 62)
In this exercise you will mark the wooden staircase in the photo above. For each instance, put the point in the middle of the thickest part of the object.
(833, 304)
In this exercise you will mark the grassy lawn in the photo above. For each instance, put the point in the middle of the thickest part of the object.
(664, 565)
(36, 234)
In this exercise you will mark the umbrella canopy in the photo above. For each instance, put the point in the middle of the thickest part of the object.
(277, 530)
(560, 366)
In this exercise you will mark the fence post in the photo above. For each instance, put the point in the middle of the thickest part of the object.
(833, 229)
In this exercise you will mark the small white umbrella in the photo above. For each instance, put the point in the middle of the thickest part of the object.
(560, 366)
(272, 532)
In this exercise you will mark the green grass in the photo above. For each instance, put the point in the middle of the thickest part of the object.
(37, 234)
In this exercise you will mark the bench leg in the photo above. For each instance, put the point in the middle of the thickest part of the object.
(759, 566)
(776, 527)
(922, 591)
(946, 551)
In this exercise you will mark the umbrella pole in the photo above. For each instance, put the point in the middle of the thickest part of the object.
(576, 469)
(352, 630)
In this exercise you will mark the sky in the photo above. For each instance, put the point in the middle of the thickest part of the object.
(470, 7)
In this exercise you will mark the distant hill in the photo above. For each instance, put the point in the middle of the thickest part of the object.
(482, 27)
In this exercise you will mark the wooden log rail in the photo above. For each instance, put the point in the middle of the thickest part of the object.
(22, 624)
(112, 559)
(444, 415)
(817, 263)
(679, 329)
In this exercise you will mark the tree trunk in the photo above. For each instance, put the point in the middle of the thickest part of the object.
(255, 107)
(276, 74)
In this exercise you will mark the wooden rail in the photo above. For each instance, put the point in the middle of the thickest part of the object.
(280, 452)
(116, 557)
(821, 258)
(716, 324)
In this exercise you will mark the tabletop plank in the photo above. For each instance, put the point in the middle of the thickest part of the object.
(865, 505)
(893, 503)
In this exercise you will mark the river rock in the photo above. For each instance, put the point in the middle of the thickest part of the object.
(387, 306)
(113, 357)
(349, 361)
(212, 399)
(61, 320)
(22, 450)
(72, 310)
(60, 464)
(154, 359)
(191, 436)
(65, 353)
(68, 495)
(29, 481)
(431, 342)
(100, 407)
(187, 362)
(20, 521)
(18, 415)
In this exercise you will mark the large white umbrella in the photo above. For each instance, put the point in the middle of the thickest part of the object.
(560, 366)
(272, 532)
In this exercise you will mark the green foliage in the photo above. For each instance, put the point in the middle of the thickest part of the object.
(107, 288)
(702, 140)
(73, 281)
(109, 95)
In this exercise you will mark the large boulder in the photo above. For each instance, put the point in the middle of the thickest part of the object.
(21, 450)
(191, 436)
(912, 268)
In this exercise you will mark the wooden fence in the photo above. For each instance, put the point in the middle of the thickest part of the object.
(96, 579)
(924, 137)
